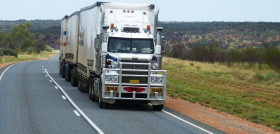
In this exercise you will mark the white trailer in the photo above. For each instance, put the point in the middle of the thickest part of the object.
(62, 45)
(71, 50)
(119, 54)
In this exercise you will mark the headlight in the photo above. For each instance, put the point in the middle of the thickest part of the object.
(155, 65)
(157, 80)
(115, 64)
(111, 79)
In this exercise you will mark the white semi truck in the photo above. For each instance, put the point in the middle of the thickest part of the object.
(113, 52)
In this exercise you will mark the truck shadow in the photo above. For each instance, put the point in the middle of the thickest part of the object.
(130, 106)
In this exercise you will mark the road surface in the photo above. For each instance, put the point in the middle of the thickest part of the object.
(34, 99)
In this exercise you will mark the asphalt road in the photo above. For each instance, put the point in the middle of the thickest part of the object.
(34, 99)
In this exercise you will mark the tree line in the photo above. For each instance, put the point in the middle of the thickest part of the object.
(20, 39)
(269, 54)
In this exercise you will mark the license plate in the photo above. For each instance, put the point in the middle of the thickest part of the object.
(158, 89)
(108, 89)
(134, 81)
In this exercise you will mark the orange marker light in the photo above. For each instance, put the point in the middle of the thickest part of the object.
(148, 27)
(112, 25)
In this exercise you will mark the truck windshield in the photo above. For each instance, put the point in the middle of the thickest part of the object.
(127, 45)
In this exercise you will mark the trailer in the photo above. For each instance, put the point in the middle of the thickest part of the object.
(119, 53)
(62, 46)
(71, 48)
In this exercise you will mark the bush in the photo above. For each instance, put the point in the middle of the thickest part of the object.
(269, 76)
(258, 76)
(1, 53)
(9, 51)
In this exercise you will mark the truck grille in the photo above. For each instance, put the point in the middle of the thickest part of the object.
(142, 80)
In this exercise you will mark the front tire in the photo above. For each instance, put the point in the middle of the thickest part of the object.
(101, 104)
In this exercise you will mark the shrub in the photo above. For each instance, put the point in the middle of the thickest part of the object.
(269, 76)
(9, 51)
(1, 53)
(258, 76)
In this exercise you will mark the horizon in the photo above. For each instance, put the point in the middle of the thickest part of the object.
(165, 21)
(176, 10)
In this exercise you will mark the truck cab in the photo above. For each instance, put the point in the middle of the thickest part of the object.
(131, 57)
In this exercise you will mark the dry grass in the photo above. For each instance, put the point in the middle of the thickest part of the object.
(235, 90)
(25, 57)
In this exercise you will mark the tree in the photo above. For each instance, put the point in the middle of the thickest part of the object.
(21, 38)
(2, 39)
(272, 58)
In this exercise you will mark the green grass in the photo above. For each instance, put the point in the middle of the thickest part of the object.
(251, 94)
(25, 57)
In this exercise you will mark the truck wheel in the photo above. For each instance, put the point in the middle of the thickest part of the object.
(101, 104)
(79, 82)
(84, 85)
(73, 79)
(62, 72)
(67, 72)
(157, 107)
(91, 86)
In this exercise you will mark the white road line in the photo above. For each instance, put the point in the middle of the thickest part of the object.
(187, 122)
(50, 80)
(76, 113)
(63, 97)
(5, 71)
(44, 72)
(46, 75)
(79, 110)
(55, 87)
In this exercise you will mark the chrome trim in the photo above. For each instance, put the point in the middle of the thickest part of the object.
(121, 85)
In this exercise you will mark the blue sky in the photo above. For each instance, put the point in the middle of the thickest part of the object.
(170, 10)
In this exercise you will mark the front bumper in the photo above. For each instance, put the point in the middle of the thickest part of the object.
(149, 91)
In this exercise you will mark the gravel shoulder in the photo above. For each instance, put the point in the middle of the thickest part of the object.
(222, 121)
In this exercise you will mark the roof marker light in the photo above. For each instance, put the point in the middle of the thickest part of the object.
(132, 11)
(111, 11)
(124, 11)
(112, 25)
(148, 27)
(144, 13)
(128, 11)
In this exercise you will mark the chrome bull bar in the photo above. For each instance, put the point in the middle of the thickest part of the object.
(150, 73)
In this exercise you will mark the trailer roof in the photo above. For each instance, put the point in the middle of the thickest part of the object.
(75, 13)
(65, 17)
(92, 6)
(113, 5)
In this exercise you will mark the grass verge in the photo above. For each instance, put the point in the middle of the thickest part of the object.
(26, 57)
(249, 93)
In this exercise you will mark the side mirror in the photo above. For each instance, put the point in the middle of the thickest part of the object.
(104, 32)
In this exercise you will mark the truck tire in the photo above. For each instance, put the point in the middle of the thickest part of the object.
(83, 85)
(67, 72)
(62, 71)
(157, 107)
(101, 104)
(73, 79)
(79, 82)
(91, 88)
